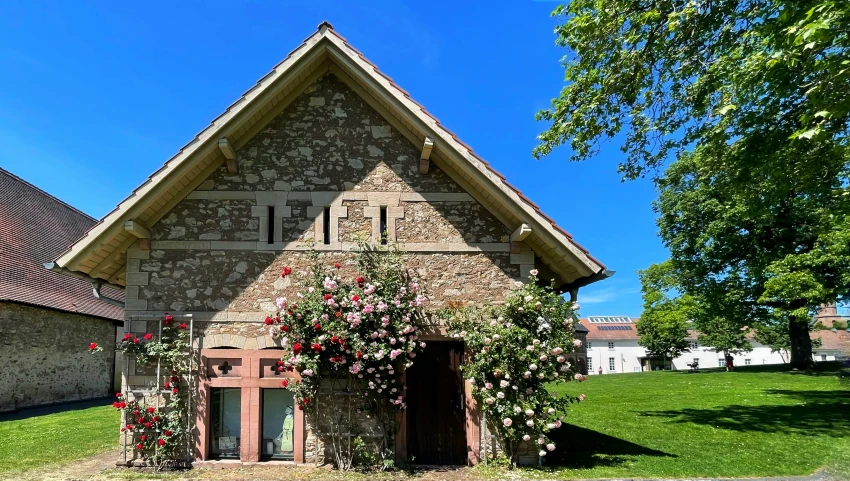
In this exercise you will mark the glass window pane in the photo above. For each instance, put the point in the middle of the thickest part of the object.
(278, 424)
(226, 422)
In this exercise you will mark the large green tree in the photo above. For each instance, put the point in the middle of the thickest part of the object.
(663, 326)
(747, 104)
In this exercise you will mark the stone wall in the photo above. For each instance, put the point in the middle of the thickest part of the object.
(44, 356)
(327, 154)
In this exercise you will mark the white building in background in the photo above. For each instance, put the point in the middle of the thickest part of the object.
(612, 344)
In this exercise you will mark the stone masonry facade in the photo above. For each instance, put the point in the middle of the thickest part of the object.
(327, 162)
(56, 368)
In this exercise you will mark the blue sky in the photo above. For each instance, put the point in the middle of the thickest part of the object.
(94, 97)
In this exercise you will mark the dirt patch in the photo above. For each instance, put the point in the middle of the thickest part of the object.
(77, 470)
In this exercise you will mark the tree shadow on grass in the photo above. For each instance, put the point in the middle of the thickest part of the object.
(35, 411)
(817, 413)
(581, 448)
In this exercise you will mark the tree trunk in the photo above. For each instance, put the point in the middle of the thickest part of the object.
(801, 343)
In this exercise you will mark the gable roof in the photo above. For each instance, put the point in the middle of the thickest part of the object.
(35, 227)
(599, 330)
(99, 253)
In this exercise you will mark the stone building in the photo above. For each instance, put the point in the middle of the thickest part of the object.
(324, 150)
(47, 320)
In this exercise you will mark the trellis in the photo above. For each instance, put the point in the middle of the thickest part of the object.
(156, 390)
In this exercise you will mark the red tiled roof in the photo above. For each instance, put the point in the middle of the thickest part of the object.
(596, 334)
(833, 341)
(35, 228)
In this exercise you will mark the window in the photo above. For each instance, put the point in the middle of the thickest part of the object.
(326, 226)
(270, 233)
(721, 363)
(589, 344)
(384, 225)
(748, 362)
(611, 365)
(278, 424)
(226, 422)
(589, 364)
(610, 345)
(694, 345)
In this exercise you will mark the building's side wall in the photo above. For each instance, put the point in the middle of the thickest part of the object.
(627, 355)
(44, 358)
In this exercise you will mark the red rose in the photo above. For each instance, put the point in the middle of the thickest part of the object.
(183, 325)
(317, 347)
(284, 383)
(280, 363)
(118, 394)
(168, 319)
(276, 318)
(337, 265)
(135, 340)
(156, 419)
(139, 446)
(148, 336)
(174, 390)
(135, 412)
(122, 405)
(286, 271)
(337, 314)
(130, 427)
(140, 420)
(328, 297)
(167, 385)
(358, 355)
(92, 346)
(317, 327)
(168, 433)
(355, 298)
(296, 348)
(144, 437)
(334, 339)
(300, 407)
(284, 328)
(151, 410)
(123, 429)
(127, 336)
(148, 424)
(161, 442)
(269, 321)
(360, 280)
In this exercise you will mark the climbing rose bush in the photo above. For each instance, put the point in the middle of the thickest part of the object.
(515, 350)
(360, 328)
(158, 431)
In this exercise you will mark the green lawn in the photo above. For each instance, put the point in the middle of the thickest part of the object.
(756, 421)
(53, 439)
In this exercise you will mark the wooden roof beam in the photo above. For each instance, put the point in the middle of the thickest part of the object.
(229, 154)
(137, 229)
(425, 158)
(521, 232)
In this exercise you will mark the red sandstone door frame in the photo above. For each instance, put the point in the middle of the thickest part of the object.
(249, 370)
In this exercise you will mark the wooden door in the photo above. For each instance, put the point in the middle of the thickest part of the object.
(436, 421)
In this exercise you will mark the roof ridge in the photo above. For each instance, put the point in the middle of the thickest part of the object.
(45, 193)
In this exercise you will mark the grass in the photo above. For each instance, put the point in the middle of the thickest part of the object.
(756, 421)
(58, 438)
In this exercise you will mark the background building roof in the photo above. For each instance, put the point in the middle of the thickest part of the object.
(610, 328)
(35, 228)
